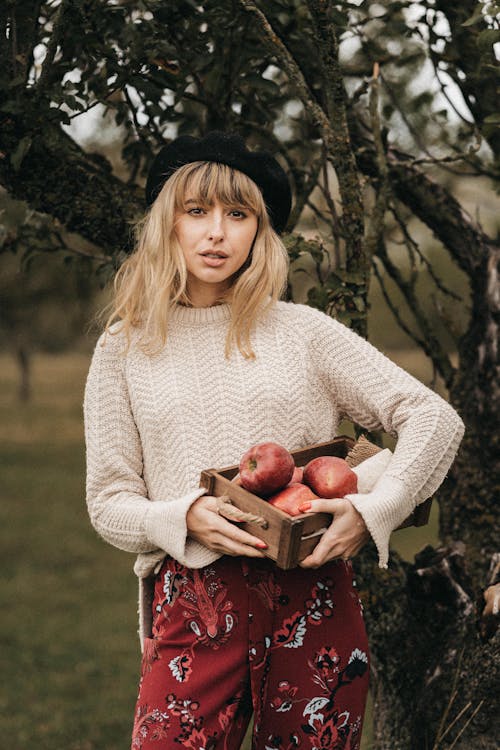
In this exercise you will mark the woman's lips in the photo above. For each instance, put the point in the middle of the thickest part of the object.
(214, 260)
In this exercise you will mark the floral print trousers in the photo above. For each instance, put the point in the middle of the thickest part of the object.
(243, 636)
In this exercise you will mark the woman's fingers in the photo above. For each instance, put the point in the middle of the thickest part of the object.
(208, 527)
(224, 540)
(229, 546)
(345, 536)
(343, 539)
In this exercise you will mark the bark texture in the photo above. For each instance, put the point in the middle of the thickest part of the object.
(434, 681)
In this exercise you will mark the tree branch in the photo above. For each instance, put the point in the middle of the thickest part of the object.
(434, 205)
(334, 132)
(58, 178)
(285, 58)
(376, 225)
(338, 140)
(334, 220)
(414, 248)
(429, 343)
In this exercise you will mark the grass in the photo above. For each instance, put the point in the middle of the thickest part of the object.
(69, 650)
(68, 630)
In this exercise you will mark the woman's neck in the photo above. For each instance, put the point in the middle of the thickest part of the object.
(206, 296)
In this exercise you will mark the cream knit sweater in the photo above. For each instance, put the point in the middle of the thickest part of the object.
(153, 423)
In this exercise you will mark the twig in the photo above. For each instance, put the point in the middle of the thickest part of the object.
(179, 49)
(359, 92)
(478, 707)
(392, 96)
(90, 256)
(13, 32)
(57, 29)
(438, 160)
(453, 695)
(418, 140)
(133, 112)
(394, 309)
(433, 56)
(325, 189)
(429, 343)
(316, 210)
(94, 104)
(375, 228)
(457, 718)
(304, 187)
(415, 247)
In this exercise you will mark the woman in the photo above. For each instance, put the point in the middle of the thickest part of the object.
(201, 360)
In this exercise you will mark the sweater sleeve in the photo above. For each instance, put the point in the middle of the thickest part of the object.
(375, 393)
(117, 499)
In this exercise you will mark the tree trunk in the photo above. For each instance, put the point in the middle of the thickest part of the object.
(435, 679)
(467, 511)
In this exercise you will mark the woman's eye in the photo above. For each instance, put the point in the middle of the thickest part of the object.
(195, 211)
(237, 213)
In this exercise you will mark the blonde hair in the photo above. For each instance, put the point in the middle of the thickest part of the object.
(153, 279)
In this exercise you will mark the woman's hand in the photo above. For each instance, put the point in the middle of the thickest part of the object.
(345, 536)
(209, 528)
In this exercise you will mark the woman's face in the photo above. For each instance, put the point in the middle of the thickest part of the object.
(216, 241)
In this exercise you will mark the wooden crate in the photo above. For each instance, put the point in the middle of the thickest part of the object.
(289, 538)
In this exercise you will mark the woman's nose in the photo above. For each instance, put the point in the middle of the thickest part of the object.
(216, 225)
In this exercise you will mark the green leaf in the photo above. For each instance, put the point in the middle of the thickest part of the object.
(493, 119)
(317, 297)
(360, 303)
(476, 16)
(73, 103)
(58, 115)
(344, 317)
(350, 277)
(486, 39)
(13, 106)
(333, 283)
(19, 80)
(22, 149)
(388, 110)
(316, 253)
(442, 113)
(264, 84)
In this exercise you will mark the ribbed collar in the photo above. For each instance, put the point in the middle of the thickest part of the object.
(194, 316)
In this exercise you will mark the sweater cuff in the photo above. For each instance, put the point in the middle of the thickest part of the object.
(165, 526)
(383, 510)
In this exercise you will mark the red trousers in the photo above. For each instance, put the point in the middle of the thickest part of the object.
(242, 635)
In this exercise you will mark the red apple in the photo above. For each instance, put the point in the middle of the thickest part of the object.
(291, 498)
(330, 476)
(297, 476)
(266, 468)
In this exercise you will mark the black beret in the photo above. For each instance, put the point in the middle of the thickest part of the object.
(230, 149)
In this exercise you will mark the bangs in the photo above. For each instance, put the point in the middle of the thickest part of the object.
(207, 182)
